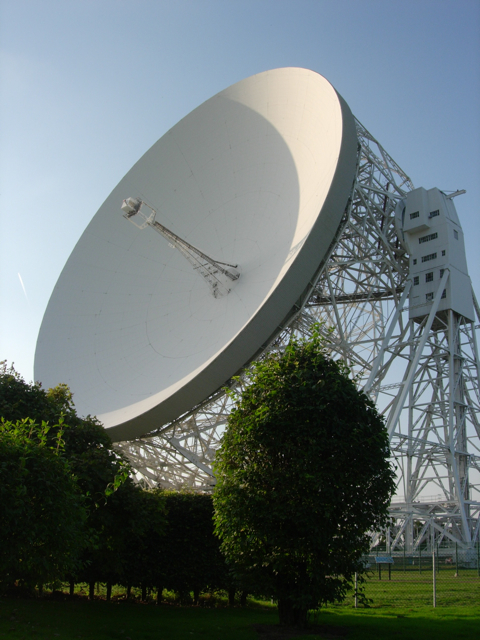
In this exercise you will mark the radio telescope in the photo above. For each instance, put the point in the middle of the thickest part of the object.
(275, 209)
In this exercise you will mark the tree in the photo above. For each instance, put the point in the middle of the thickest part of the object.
(302, 475)
(87, 450)
(42, 514)
(190, 554)
(87, 446)
(135, 545)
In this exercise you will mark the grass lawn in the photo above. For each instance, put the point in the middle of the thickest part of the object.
(45, 618)
(412, 589)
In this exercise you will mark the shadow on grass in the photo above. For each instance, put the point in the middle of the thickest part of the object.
(32, 619)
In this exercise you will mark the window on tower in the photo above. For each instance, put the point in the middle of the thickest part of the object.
(431, 236)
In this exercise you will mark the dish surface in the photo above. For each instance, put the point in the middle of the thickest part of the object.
(259, 176)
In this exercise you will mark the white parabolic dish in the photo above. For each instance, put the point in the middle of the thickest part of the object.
(259, 176)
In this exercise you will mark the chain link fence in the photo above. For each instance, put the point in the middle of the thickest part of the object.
(445, 575)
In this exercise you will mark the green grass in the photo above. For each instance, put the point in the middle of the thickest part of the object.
(412, 589)
(33, 619)
(39, 619)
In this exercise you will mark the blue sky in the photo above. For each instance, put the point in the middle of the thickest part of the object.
(87, 86)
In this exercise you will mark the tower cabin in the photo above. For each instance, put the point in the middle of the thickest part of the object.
(432, 235)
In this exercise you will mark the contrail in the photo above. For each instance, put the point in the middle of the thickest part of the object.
(23, 286)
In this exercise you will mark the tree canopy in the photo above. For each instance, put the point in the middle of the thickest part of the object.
(42, 435)
(302, 475)
(87, 445)
(69, 512)
(42, 514)
(191, 559)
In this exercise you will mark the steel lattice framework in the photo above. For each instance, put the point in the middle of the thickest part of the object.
(423, 375)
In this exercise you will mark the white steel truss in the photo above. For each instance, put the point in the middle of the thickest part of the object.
(423, 375)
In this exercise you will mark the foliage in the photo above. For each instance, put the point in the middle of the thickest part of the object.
(302, 475)
(42, 514)
(129, 539)
(88, 447)
(191, 557)
(45, 417)
(145, 549)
